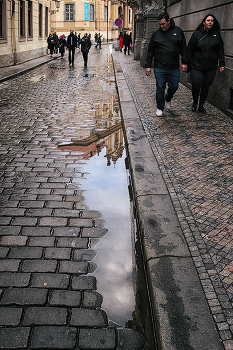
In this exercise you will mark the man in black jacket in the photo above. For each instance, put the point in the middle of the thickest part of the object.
(166, 45)
(71, 45)
(85, 47)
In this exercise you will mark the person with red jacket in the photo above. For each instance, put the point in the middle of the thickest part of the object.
(121, 41)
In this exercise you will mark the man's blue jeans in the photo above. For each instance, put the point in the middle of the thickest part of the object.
(162, 76)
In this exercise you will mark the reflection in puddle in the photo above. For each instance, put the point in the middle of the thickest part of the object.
(100, 157)
(37, 78)
(107, 191)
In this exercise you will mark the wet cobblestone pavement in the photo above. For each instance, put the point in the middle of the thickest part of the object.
(194, 152)
(47, 231)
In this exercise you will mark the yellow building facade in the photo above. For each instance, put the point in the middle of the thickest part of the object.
(25, 24)
(92, 17)
(24, 28)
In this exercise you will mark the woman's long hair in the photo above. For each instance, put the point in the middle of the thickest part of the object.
(216, 25)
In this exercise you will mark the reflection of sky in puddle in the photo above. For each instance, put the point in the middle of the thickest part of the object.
(107, 191)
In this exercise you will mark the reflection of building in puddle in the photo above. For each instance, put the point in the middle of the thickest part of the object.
(107, 133)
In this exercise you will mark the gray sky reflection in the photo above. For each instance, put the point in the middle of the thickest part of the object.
(107, 191)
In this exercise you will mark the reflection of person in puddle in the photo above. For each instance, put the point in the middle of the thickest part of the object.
(85, 47)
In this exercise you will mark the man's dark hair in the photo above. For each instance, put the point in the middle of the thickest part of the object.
(164, 15)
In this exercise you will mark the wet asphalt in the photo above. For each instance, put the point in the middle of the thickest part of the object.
(193, 157)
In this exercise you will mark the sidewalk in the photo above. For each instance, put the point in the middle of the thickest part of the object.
(181, 166)
(10, 72)
(182, 175)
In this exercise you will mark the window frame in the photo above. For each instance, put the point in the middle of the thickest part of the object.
(92, 13)
(40, 20)
(46, 28)
(105, 13)
(3, 26)
(22, 20)
(30, 19)
(66, 12)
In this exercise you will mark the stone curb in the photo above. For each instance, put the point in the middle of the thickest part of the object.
(180, 311)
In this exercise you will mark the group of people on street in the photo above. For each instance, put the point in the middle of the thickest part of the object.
(125, 42)
(73, 41)
(202, 56)
(53, 42)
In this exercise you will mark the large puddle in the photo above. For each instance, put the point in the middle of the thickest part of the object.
(101, 159)
(107, 191)
(100, 166)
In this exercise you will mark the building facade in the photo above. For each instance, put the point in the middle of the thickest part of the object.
(24, 28)
(188, 14)
(25, 24)
(92, 17)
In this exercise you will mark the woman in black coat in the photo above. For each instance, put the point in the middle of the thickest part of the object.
(205, 51)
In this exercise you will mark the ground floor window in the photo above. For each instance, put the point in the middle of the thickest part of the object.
(46, 21)
(40, 19)
(30, 33)
(22, 19)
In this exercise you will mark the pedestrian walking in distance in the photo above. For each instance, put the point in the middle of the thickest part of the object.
(85, 47)
(62, 45)
(166, 45)
(56, 40)
(205, 51)
(127, 42)
(121, 41)
(51, 43)
(71, 46)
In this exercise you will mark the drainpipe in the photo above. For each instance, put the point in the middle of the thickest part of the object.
(13, 32)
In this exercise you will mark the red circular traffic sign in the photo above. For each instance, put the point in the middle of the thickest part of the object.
(118, 22)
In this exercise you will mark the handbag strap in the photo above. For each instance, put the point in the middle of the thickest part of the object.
(202, 38)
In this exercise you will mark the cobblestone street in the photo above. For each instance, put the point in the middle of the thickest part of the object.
(48, 291)
(47, 298)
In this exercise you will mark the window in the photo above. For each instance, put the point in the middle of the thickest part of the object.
(92, 13)
(2, 19)
(30, 34)
(22, 19)
(105, 13)
(46, 33)
(69, 12)
(130, 16)
(40, 20)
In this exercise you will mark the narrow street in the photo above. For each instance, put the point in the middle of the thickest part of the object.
(77, 254)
